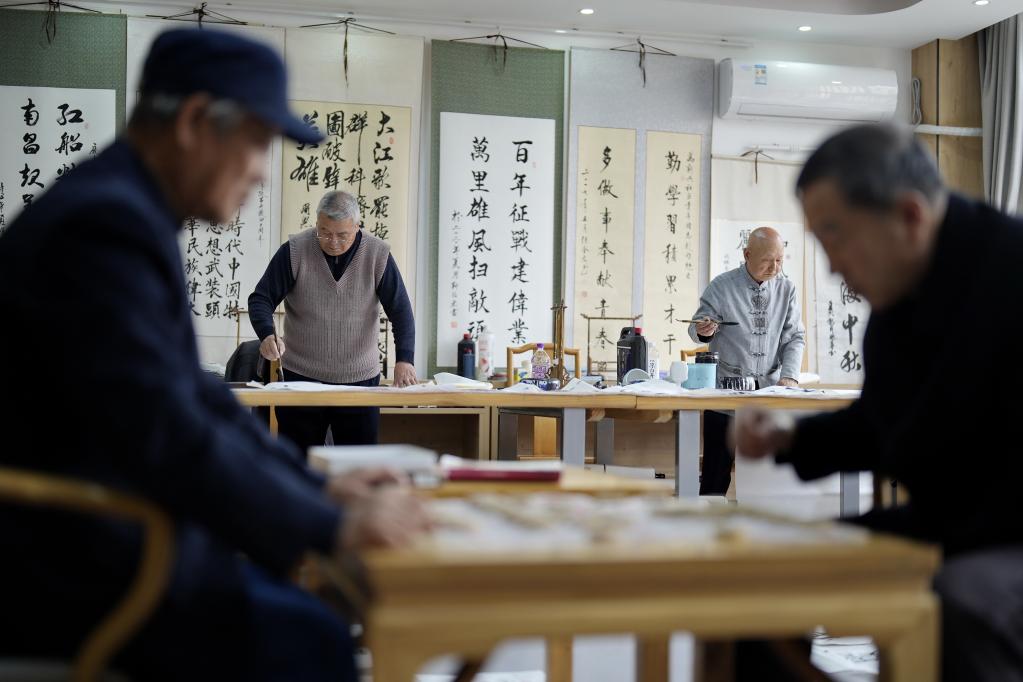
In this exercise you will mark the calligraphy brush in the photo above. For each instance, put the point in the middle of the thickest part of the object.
(723, 324)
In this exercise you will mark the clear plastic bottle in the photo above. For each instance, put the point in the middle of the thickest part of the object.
(485, 350)
(653, 360)
(525, 369)
(541, 363)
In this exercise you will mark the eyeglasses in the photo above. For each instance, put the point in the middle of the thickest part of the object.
(337, 238)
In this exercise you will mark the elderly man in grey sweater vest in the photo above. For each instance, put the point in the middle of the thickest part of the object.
(767, 344)
(333, 279)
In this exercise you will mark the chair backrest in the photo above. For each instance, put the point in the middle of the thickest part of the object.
(529, 348)
(691, 353)
(154, 569)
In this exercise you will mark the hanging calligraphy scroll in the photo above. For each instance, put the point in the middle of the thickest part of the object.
(743, 198)
(222, 262)
(49, 132)
(496, 230)
(365, 153)
(842, 316)
(672, 241)
(604, 236)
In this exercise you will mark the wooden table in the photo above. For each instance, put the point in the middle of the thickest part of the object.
(571, 410)
(573, 480)
(429, 603)
(687, 416)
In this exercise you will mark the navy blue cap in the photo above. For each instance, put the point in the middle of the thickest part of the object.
(227, 66)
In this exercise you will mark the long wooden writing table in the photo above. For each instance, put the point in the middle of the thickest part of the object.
(573, 411)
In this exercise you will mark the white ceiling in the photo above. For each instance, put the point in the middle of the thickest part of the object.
(906, 24)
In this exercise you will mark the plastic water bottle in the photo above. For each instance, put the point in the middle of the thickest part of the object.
(541, 363)
(485, 348)
(653, 360)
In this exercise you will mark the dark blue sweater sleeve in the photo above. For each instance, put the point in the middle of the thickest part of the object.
(398, 308)
(273, 286)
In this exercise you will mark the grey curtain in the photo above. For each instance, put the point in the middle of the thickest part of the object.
(1001, 67)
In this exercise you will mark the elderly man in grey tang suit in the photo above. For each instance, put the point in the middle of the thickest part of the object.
(767, 344)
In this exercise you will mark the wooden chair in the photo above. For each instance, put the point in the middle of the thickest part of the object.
(691, 353)
(512, 351)
(140, 600)
(545, 429)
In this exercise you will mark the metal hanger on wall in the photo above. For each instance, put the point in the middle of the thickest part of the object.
(643, 48)
(503, 40)
(348, 22)
(201, 14)
(52, 9)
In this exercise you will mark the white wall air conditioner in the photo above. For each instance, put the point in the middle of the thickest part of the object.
(809, 92)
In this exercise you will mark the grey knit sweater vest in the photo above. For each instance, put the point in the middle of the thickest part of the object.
(331, 327)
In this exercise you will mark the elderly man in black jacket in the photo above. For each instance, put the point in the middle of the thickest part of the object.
(942, 421)
(100, 341)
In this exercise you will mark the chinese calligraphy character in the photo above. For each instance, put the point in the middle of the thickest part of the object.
(30, 144)
(477, 301)
(674, 163)
(478, 242)
(477, 269)
(75, 115)
(31, 114)
(479, 176)
(851, 362)
(849, 296)
(521, 151)
(518, 302)
(669, 284)
(520, 183)
(606, 159)
(479, 149)
(519, 272)
(520, 240)
(518, 214)
(478, 209)
(848, 325)
(604, 250)
(605, 188)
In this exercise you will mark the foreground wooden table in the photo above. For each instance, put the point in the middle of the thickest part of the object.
(429, 603)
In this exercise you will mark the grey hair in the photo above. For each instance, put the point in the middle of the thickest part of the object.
(872, 165)
(338, 205)
(159, 109)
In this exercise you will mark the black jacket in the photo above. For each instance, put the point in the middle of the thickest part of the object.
(942, 403)
(103, 383)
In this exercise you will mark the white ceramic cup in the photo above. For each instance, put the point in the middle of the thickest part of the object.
(678, 372)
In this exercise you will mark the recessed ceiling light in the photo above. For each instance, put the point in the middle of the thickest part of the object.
(980, 3)
(586, 10)
(560, 30)
(836, 82)
(804, 29)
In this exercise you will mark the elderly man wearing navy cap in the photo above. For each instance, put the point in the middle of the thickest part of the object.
(92, 286)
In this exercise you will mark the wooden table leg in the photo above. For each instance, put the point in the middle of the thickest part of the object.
(559, 659)
(653, 658)
(915, 655)
(713, 661)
